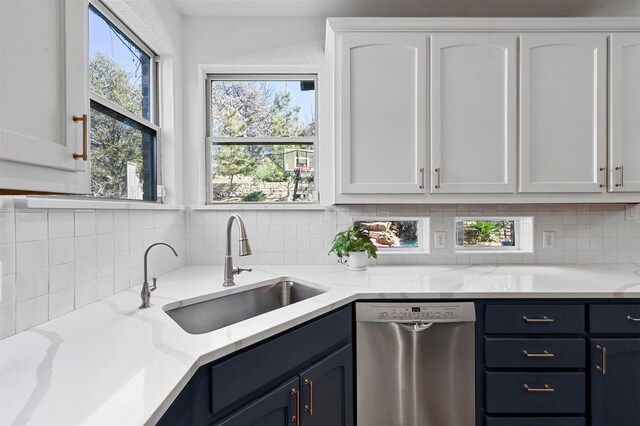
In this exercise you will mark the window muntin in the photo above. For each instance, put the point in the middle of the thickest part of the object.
(261, 138)
(123, 101)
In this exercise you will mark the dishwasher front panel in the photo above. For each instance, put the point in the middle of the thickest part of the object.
(410, 374)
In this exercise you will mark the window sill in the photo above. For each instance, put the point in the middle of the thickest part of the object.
(61, 202)
(244, 207)
(489, 251)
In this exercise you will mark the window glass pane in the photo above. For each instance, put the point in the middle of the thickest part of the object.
(262, 108)
(118, 70)
(485, 233)
(123, 157)
(262, 173)
(391, 233)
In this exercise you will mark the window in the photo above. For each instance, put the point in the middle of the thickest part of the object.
(122, 91)
(396, 235)
(261, 138)
(508, 234)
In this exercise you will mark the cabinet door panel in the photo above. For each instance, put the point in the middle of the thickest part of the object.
(277, 408)
(327, 390)
(473, 113)
(562, 112)
(381, 103)
(43, 82)
(625, 109)
(615, 393)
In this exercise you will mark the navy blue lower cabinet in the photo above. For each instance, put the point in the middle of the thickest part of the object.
(536, 421)
(615, 382)
(279, 407)
(327, 390)
(533, 393)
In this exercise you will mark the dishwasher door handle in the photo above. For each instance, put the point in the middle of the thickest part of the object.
(416, 326)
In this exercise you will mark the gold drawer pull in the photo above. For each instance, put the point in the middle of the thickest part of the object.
(544, 354)
(630, 318)
(85, 137)
(309, 407)
(546, 388)
(296, 417)
(543, 319)
(603, 368)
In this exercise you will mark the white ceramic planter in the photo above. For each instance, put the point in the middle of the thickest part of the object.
(357, 261)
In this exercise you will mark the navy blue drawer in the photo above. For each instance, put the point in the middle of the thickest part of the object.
(534, 353)
(530, 319)
(536, 421)
(508, 393)
(614, 318)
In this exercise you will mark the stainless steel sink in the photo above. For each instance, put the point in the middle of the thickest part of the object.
(212, 314)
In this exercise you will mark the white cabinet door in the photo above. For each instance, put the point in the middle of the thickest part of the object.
(381, 113)
(473, 113)
(43, 83)
(563, 82)
(624, 122)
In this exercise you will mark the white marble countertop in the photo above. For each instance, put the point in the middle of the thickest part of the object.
(110, 363)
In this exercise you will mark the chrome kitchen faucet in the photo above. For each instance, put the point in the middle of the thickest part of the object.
(146, 290)
(244, 248)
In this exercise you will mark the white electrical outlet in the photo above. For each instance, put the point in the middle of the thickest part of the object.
(632, 213)
(548, 239)
(440, 239)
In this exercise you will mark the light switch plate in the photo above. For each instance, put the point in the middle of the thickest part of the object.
(440, 239)
(548, 239)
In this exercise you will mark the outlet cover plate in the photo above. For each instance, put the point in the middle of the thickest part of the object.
(440, 239)
(548, 239)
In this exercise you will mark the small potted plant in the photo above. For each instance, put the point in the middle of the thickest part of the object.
(354, 245)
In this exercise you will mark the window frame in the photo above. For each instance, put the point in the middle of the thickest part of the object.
(153, 124)
(423, 233)
(280, 140)
(520, 235)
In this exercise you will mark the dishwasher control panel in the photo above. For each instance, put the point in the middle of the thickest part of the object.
(415, 312)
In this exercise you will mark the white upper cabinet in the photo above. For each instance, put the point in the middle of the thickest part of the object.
(381, 101)
(563, 112)
(624, 126)
(43, 84)
(473, 113)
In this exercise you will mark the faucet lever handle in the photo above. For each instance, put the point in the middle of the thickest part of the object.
(154, 286)
(239, 270)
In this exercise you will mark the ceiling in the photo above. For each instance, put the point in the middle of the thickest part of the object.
(416, 8)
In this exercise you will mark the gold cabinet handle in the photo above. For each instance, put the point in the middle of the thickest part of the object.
(438, 177)
(605, 177)
(85, 136)
(602, 368)
(421, 177)
(296, 417)
(621, 181)
(309, 407)
(546, 388)
(544, 354)
(630, 318)
(543, 319)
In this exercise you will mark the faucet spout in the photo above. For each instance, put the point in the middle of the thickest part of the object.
(145, 294)
(244, 250)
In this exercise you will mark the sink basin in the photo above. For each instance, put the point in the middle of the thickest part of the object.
(212, 314)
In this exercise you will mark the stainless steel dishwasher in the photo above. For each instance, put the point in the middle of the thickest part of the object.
(415, 364)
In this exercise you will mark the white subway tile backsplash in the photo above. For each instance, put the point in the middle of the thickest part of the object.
(104, 222)
(32, 312)
(7, 228)
(31, 284)
(61, 225)
(85, 247)
(7, 290)
(104, 244)
(7, 321)
(61, 251)
(85, 223)
(7, 259)
(31, 226)
(32, 255)
(61, 302)
(61, 276)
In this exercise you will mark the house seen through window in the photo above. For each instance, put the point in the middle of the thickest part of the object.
(261, 138)
(123, 109)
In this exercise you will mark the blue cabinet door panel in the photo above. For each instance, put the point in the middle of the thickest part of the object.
(520, 392)
(527, 319)
(327, 390)
(614, 318)
(615, 382)
(536, 421)
(534, 353)
(277, 408)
